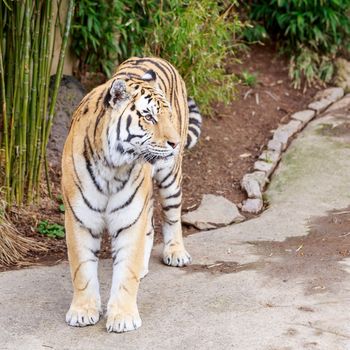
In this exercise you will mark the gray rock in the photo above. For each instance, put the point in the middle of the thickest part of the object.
(267, 168)
(281, 136)
(214, 211)
(332, 94)
(344, 103)
(293, 127)
(304, 116)
(252, 187)
(325, 98)
(69, 95)
(253, 205)
(270, 156)
(258, 176)
(342, 76)
(284, 132)
(320, 106)
(275, 145)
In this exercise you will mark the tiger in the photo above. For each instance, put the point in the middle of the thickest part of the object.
(125, 135)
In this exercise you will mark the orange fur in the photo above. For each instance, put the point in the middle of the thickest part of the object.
(124, 133)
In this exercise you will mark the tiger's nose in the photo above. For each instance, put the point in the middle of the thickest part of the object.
(172, 144)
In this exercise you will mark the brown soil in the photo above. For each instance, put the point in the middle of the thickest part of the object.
(229, 145)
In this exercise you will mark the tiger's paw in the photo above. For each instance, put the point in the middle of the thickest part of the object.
(123, 322)
(176, 257)
(82, 316)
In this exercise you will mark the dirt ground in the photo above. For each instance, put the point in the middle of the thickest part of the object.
(228, 147)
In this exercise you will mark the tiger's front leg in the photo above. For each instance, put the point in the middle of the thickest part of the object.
(169, 182)
(130, 253)
(83, 247)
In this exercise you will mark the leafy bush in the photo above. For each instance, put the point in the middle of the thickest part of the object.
(194, 36)
(254, 33)
(51, 230)
(197, 38)
(311, 32)
(93, 34)
(105, 32)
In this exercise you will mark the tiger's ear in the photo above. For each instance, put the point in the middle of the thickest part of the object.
(116, 94)
(151, 77)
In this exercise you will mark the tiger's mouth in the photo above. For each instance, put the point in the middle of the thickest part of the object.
(153, 155)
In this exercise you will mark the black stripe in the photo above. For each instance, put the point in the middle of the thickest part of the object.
(128, 122)
(98, 101)
(89, 169)
(75, 171)
(129, 199)
(130, 135)
(134, 222)
(169, 184)
(189, 140)
(80, 221)
(89, 205)
(142, 60)
(137, 177)
(118, 127)
(167, 176)
(98, 119)
(194, 121)
(120, 148)
(73, 212)
(194, 131)
(194, 110)
(171, 222)
(119, 122)
(175, 78)
(173, 206)
(95, 252)
(177, 194)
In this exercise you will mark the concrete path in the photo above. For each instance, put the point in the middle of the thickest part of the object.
(277, 282)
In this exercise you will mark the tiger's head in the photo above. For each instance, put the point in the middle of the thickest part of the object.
(141, 125)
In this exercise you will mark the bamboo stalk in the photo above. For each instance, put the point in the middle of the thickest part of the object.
(42, 98)
(48, 63)
(58, 75)
(25, 97)
(59, 68)
(34, 98)
(27, 37)
(5, 121)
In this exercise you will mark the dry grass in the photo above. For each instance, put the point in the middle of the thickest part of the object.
(15, 248)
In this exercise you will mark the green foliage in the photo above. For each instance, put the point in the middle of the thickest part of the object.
(61, 208)
(93, 34)
(60, 203)
(311, 32)
(249, 79)
(51, 230)
(194, 36)
(197, 38)
(105, 32)
(255, 33)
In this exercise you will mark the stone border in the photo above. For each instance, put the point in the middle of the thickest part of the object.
(254, 183)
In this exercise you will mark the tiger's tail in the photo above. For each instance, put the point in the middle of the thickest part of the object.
(195, 123)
